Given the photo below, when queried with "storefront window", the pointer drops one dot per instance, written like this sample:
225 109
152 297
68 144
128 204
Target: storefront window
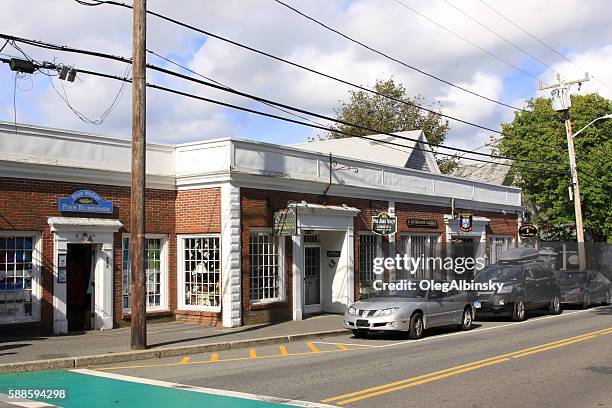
156 273
16 277
265 271
422 246
499 245
201 272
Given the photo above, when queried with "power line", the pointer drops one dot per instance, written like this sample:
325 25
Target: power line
226 86
489 29
497 57
372 91
267 101
327 27
539 40
225 104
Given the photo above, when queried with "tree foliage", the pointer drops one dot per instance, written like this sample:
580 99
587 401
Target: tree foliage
539 134
388 116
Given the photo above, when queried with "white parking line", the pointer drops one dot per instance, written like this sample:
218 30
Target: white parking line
459 333
214 391
19 402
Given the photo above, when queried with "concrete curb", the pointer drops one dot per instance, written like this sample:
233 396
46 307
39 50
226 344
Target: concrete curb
85 361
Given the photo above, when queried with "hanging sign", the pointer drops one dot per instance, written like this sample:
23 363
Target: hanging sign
284 222
528 230
85 201
384 224
465 222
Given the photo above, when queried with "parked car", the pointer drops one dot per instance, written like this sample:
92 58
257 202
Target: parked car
410 312
584 288
528 283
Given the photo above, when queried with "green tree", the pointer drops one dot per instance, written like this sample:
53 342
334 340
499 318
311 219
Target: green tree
539 134
388 116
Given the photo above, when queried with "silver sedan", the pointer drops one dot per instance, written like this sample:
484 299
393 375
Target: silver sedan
410 312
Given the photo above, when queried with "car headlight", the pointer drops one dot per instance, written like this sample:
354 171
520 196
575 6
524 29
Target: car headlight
386 312
505 289
352 311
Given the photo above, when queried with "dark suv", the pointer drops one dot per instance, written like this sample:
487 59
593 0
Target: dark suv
528 283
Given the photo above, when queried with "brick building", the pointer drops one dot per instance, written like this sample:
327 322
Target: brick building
212 257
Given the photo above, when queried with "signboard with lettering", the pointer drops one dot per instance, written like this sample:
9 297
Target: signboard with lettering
528 230
284 222
333 254
384 224
411 222
85 201
465 222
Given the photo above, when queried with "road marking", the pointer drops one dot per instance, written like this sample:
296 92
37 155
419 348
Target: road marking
312 347
413 384
354 346
401 384
252 353
552 347
214 357
283 350
607 331
214 391
185 360
341 346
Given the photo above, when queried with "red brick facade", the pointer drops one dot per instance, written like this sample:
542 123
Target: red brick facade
25 205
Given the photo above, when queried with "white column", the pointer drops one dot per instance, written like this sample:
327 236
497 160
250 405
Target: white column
298 276
103 285
392 249
350 252
230 256
60 321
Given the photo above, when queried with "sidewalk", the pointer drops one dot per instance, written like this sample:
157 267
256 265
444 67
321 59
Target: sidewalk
28 353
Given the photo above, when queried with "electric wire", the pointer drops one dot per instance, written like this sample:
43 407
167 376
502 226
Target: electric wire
259 99
539 40
270 115
461 37
489 29
396 60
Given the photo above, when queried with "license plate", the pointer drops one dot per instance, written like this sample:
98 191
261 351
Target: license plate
477 305
362 323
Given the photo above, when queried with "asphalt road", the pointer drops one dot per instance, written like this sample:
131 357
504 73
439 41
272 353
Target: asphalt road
547 361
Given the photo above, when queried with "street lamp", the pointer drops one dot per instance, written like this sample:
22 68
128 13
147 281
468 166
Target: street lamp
591 122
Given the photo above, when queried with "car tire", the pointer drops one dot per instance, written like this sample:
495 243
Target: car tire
416 326
360 333
586 301
555 305
519 311
467 319
606 299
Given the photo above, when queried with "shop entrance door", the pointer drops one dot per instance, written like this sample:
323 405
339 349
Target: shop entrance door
312 279
464 248
79 289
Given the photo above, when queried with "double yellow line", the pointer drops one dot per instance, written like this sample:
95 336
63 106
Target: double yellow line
448 372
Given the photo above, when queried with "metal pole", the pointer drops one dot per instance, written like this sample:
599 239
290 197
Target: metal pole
138 339
577 204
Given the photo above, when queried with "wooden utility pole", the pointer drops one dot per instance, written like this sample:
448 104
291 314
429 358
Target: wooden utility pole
562 103
137 222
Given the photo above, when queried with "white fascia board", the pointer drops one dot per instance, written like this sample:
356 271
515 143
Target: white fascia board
24 170
302 186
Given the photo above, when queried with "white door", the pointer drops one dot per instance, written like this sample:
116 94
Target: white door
312 279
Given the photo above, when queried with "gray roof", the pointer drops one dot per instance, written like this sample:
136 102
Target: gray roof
493 173
381 152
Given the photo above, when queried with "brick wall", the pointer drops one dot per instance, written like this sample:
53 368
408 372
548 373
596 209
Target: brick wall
197 212
25 205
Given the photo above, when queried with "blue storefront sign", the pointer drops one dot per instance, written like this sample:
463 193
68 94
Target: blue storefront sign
85 201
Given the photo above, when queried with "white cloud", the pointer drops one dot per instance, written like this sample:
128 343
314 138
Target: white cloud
580 29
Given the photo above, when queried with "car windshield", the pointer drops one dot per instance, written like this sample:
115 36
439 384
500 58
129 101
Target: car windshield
502 273
412 294
573 276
